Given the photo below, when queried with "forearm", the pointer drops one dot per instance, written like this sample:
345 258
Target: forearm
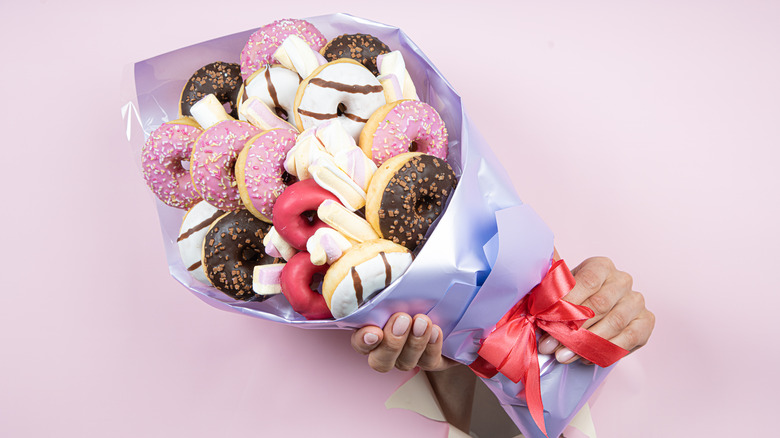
454 390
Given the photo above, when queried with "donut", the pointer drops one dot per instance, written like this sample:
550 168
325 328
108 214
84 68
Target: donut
275 86
361 47
294 215
342 89
406 194
361 272
233 246
296 280
260 170
161 159
192 233
404 126
213 159
222 79
259 49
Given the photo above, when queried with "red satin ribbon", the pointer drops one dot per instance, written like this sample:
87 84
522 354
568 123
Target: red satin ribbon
511 348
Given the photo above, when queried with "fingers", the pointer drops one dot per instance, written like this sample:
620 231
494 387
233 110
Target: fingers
404 343
620 313
637 333
383 357
628 325
590 276
416 343
366 339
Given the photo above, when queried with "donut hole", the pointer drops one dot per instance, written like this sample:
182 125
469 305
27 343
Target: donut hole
281 113
414 147
228 107
309 215
424 205
250 254
341 109
316 282
288 179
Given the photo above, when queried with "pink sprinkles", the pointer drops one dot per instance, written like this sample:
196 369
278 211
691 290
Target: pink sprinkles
260 47
213 159
264 168
410 125
161 160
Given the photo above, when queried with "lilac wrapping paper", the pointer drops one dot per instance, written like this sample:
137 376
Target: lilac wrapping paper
486 252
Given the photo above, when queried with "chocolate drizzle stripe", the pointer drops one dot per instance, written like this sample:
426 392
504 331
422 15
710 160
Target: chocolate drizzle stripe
358 283
200 226
388 269
271 88
362 89
318 116
355 118
195 266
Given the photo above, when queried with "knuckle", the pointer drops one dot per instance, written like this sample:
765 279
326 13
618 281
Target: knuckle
617 322
404 365
589 279
378 365
651 319
625 280
603 262
600 303
426 363
639 299
632 337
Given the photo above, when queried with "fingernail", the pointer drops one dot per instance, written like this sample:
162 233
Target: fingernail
564 354
370 338
434 336
401 325
419 327
548 346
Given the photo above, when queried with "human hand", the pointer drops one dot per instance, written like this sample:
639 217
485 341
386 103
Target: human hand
621 315
404 343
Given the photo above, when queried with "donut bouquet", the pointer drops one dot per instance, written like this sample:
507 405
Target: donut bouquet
322 173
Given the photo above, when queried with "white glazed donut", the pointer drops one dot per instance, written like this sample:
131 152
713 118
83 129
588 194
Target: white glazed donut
193 230
342 89
361 272
276 86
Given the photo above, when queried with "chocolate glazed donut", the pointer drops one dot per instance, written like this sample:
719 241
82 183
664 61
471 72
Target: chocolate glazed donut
232 248
222 79
360 47
411 192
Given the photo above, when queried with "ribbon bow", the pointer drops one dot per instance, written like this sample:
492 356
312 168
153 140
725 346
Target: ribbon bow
511 348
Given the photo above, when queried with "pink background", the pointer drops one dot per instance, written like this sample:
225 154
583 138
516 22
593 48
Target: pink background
648 133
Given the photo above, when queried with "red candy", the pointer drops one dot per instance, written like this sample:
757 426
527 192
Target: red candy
296 282
289 219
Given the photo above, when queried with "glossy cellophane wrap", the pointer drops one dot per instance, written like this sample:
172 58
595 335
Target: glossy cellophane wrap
485 253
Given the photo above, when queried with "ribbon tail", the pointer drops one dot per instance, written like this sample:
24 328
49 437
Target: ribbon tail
587 344
533 395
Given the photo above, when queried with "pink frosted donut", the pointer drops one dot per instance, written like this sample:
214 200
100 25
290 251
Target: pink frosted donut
213 160
295 212
260 47
162 156
260 170
404 126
